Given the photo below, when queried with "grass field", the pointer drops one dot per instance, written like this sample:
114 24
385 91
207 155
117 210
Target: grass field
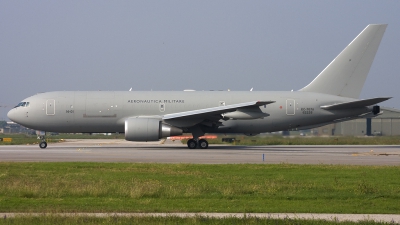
124 187
168 220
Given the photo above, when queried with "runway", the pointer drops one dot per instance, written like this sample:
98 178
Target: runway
110 150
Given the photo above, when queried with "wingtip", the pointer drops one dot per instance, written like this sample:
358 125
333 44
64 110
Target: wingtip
386 98
377 24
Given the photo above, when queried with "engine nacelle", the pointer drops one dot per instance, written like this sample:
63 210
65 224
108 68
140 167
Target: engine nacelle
148 129
376 109
246 114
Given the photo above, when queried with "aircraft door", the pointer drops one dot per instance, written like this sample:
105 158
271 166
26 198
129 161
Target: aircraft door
290 107
50 107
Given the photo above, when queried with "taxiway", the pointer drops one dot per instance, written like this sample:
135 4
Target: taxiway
110 150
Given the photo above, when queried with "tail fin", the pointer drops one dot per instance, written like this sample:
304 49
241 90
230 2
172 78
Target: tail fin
346 74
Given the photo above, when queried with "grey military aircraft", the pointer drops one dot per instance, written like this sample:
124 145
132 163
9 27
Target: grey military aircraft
149 116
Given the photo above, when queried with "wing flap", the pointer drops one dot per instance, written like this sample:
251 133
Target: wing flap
355 104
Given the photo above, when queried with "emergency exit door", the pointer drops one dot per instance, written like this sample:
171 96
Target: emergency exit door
290 107
50 107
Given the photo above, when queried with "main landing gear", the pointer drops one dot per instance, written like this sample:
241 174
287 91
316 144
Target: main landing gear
202 143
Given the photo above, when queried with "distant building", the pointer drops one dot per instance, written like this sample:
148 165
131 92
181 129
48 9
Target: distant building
12 128
387 124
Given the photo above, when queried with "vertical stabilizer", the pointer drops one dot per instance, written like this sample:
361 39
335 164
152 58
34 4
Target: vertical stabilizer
346 74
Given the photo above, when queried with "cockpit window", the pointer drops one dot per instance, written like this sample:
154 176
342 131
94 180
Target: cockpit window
22 104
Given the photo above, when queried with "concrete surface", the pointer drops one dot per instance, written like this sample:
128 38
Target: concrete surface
117 150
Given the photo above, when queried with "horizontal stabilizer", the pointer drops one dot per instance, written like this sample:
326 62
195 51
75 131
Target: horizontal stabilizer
355 104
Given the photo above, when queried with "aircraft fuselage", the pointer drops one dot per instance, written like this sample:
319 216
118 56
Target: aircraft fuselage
105 111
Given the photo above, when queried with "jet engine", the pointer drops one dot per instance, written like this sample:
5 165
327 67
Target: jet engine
148 129
376 109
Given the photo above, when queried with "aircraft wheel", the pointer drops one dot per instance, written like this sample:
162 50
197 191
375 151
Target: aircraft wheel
203 143
43 144
192 144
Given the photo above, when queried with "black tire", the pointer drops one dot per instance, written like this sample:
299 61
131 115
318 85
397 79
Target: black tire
192 144
43 144
203 144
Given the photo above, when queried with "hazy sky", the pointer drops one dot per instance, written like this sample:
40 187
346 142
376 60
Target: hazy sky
177 45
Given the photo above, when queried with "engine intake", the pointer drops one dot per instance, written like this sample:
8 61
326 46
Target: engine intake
148 129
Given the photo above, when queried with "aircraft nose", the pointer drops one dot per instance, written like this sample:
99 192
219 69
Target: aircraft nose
12 115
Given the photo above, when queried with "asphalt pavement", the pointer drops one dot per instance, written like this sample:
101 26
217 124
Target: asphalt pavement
117 150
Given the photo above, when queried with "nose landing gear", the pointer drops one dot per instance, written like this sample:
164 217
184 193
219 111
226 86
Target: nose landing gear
43 143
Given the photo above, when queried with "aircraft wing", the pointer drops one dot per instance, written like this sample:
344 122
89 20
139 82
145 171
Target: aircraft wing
215 110
355 104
